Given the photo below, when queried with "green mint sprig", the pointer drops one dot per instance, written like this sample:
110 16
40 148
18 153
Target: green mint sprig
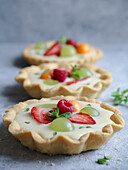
74 74
63 39
120 96
55 114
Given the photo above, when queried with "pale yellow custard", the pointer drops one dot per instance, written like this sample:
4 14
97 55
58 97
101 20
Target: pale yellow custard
90 82
44 130
39 54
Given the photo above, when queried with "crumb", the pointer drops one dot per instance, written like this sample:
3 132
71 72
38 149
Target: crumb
52 164
39 162
119 159
116 149
126 156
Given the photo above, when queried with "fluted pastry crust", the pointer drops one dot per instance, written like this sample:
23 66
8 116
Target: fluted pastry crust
40 90
37 61
62 144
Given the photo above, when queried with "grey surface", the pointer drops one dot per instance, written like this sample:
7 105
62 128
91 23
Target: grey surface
86 20
15 156
103 23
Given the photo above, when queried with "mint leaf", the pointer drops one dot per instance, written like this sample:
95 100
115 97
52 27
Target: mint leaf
50 117
63 39
55 133
81 127
120 96
27 110
27 122
89 105
108 157
66 115
101 161
88 127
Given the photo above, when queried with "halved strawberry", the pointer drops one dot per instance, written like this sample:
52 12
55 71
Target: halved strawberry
76 81
82 118
54 50
39 114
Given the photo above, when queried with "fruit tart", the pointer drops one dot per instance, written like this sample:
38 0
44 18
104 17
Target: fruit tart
48 80
62 51
63 125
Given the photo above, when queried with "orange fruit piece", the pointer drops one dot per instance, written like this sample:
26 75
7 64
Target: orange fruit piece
77 105
45 75
83 48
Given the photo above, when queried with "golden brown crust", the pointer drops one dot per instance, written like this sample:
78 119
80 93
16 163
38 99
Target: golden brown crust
40 90
37 61
62 144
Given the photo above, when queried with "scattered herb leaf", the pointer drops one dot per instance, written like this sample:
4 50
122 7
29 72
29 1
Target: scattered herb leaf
101 161
27 122
89 105
108 157
81 127
87 84
27 110
55 133
120 96
88 127
104 160
37 73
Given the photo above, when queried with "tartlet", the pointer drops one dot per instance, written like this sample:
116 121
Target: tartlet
42 138
36 56
37 89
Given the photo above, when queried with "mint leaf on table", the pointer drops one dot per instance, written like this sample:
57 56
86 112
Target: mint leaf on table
120 97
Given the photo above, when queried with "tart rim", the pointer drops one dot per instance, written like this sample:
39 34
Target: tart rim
66 145
36 61
40 90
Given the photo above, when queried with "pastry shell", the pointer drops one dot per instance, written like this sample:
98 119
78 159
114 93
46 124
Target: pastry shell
37 61
62 144
39 90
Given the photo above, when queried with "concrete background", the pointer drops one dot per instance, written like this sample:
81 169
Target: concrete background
94 21
103 23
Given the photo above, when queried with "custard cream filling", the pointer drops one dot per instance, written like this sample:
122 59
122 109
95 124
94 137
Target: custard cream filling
46 132
90 82
39 54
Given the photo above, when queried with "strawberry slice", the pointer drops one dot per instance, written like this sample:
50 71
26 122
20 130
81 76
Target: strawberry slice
39 114
76 81
82 118
54 50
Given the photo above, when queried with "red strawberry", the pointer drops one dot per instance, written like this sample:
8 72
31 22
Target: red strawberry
60 75
65 106
39 114
54 50
72 42
76 81
82 118
65 69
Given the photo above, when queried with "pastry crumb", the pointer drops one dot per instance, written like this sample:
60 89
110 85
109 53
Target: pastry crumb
119 159
52 164
116 149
